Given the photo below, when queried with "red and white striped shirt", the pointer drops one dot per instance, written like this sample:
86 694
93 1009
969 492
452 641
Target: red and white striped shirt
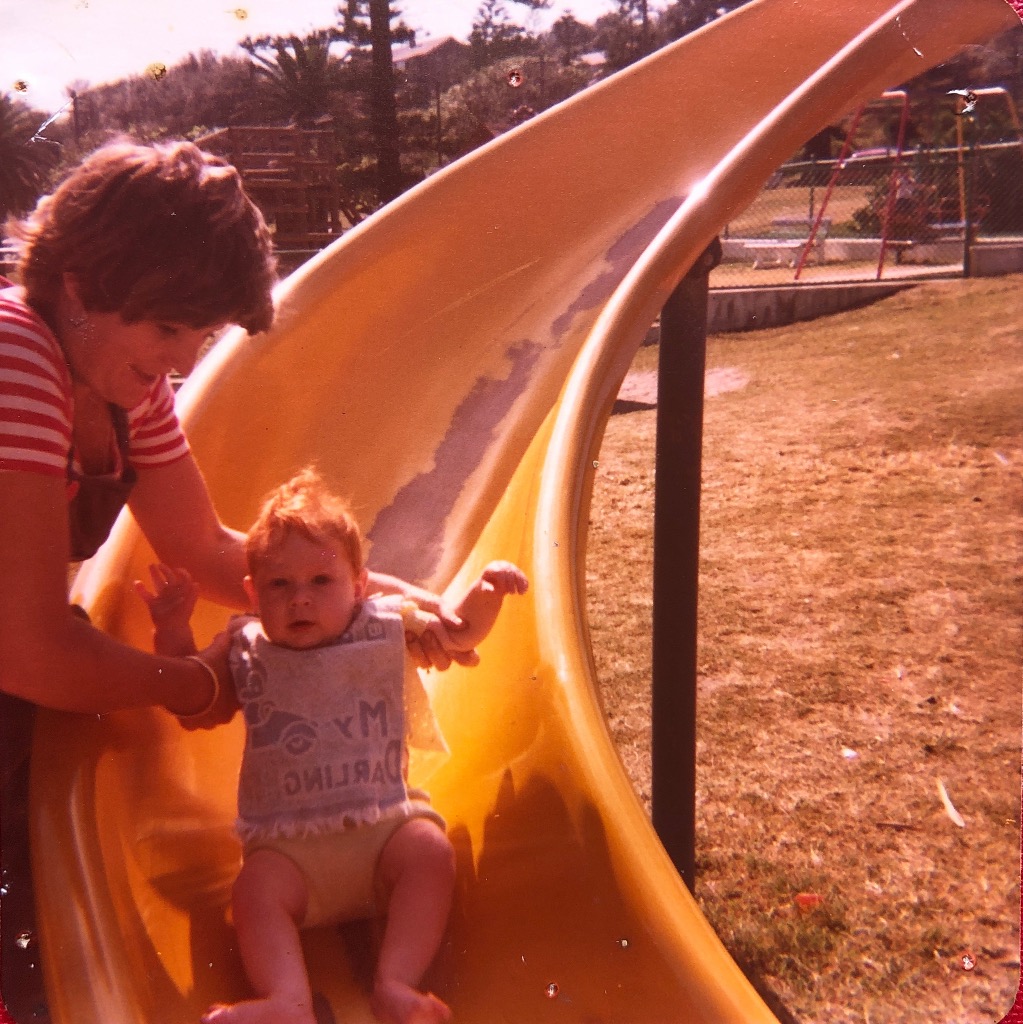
37 409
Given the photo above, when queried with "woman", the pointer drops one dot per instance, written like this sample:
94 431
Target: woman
126 270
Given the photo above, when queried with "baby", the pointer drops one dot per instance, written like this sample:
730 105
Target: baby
330 830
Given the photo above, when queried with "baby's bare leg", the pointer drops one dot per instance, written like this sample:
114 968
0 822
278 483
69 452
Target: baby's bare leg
417 873
268 903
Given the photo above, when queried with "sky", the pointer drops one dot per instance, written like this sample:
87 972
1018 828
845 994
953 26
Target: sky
47 45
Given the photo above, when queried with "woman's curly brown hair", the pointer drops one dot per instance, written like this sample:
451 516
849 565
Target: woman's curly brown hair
159 233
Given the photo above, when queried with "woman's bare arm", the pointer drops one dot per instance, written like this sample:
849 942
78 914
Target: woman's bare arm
50 656
173 507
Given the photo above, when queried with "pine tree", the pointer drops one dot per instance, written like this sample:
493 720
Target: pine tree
368 23
496 35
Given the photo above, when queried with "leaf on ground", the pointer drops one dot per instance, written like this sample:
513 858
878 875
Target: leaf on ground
950 810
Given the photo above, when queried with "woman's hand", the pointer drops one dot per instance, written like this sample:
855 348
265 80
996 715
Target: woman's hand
433 646
438 647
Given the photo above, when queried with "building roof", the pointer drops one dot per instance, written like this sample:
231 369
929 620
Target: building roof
404 54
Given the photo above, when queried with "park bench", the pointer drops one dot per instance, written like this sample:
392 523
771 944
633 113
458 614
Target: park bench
775 252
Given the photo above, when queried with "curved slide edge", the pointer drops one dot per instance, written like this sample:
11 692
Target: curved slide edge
421 362
874 61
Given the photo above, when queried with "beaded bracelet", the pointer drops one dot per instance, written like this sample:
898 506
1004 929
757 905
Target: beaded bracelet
216 687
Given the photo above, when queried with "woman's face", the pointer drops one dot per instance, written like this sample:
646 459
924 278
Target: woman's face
120 362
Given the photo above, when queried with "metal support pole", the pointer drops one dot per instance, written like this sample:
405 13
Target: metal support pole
680 383
969 228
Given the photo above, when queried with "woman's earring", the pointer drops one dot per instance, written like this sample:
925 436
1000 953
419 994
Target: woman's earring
82 323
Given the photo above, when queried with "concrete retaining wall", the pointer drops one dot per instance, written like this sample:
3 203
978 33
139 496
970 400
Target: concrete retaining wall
777 252
746 309
992 259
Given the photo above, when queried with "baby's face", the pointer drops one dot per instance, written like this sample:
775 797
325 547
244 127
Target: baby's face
306 592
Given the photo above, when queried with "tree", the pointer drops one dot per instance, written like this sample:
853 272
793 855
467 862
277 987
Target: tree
684 16
625 35
486 104
202 91
369 22
495 35
26 157
997 62
571 37
302 74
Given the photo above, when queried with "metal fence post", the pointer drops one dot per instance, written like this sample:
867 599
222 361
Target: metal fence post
969 190
680 384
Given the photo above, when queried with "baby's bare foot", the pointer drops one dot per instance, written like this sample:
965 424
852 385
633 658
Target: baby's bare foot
395 1003
259 1011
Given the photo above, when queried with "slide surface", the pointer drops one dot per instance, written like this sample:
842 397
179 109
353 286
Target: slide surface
450 365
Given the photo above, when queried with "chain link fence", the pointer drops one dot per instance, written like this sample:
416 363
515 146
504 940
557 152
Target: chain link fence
876 215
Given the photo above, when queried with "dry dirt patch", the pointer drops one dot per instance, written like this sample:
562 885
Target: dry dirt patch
640 386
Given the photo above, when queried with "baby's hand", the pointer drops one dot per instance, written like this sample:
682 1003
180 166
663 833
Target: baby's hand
504 578
173 598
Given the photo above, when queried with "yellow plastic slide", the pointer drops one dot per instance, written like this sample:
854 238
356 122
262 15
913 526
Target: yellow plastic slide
450 365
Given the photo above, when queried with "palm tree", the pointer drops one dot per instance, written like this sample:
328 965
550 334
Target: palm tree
302 74
26 158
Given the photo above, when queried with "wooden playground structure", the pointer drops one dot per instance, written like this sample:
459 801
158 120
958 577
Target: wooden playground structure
291 175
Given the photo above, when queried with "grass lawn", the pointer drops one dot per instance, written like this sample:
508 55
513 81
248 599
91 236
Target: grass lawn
757 221
861 639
